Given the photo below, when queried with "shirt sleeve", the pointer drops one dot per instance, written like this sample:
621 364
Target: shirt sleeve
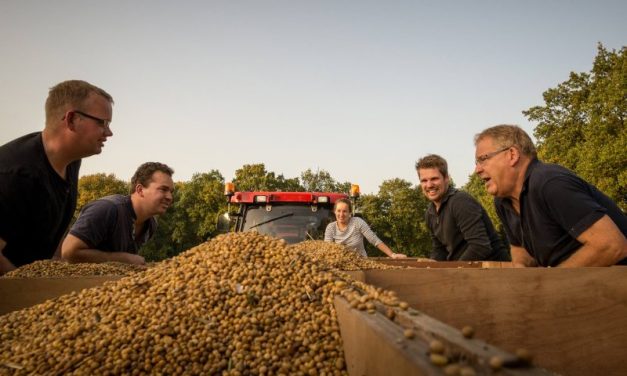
468 215
570 204
367 232
328 232
95 223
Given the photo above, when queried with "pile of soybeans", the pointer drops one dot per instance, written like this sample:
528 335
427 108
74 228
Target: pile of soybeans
240 304
51 268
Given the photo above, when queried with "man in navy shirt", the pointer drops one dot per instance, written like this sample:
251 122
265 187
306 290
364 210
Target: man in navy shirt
39 172
113 228
551 216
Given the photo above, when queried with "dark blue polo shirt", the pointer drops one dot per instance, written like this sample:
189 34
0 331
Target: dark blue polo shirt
556 206
108 224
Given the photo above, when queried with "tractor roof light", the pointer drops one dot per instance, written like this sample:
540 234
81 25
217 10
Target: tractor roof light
229 189
323 199
261 198
354 190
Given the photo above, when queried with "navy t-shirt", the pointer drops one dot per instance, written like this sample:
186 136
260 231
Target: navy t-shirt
108 224
36 204
556 206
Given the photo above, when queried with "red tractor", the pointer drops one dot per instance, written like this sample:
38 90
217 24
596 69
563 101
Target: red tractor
293 216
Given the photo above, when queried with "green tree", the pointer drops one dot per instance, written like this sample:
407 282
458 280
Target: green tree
201 201
582 124
476 188
192 218
95 186
396 214
321 181
255 178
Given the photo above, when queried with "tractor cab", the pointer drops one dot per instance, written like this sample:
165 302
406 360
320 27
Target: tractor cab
293 216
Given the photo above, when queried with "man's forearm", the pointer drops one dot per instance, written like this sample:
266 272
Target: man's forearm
589 256
57 253
476 252
603 244
96 256
522 258
5 265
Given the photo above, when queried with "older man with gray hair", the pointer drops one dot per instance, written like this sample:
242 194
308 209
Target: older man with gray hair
551 216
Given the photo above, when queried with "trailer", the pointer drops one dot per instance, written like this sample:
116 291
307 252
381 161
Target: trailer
572 321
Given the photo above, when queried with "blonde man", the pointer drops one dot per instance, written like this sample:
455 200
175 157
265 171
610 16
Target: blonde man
39 172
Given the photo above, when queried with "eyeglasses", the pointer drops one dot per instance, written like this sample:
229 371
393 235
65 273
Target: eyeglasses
480 160
102 122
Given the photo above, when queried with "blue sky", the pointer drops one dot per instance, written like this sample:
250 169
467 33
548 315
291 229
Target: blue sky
361 89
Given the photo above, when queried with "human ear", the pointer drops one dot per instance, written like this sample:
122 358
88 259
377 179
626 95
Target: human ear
513 155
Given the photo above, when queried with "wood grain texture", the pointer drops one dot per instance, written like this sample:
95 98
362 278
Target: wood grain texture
574 321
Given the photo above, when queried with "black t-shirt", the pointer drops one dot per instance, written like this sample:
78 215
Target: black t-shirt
556 206
461 230
36 204
108 224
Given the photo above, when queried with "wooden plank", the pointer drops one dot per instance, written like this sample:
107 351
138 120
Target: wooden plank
413 262
357 275
574 321
376 345
19 293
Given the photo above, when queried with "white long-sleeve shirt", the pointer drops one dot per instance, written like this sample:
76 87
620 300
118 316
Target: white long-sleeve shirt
353 237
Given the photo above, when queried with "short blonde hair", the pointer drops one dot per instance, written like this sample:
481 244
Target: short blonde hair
505 135
72 93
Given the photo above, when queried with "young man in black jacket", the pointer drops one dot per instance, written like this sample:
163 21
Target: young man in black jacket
460 228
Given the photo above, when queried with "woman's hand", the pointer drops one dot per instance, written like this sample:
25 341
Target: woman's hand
398 255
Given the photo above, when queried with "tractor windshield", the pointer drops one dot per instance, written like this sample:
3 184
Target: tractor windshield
294 223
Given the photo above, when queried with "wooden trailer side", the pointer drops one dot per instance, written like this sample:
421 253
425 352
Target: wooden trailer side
574 321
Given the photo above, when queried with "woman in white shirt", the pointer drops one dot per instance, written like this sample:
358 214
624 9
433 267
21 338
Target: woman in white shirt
351 231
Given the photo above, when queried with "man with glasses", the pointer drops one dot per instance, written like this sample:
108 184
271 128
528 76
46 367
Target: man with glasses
39 172
551 216
459 226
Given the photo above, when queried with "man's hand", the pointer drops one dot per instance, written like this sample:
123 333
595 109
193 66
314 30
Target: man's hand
521 258
5 265
135 259
398 256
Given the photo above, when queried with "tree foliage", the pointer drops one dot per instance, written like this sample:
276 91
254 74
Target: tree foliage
582 124
192 218
95 186
201 201
396 214
321 181
255 178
